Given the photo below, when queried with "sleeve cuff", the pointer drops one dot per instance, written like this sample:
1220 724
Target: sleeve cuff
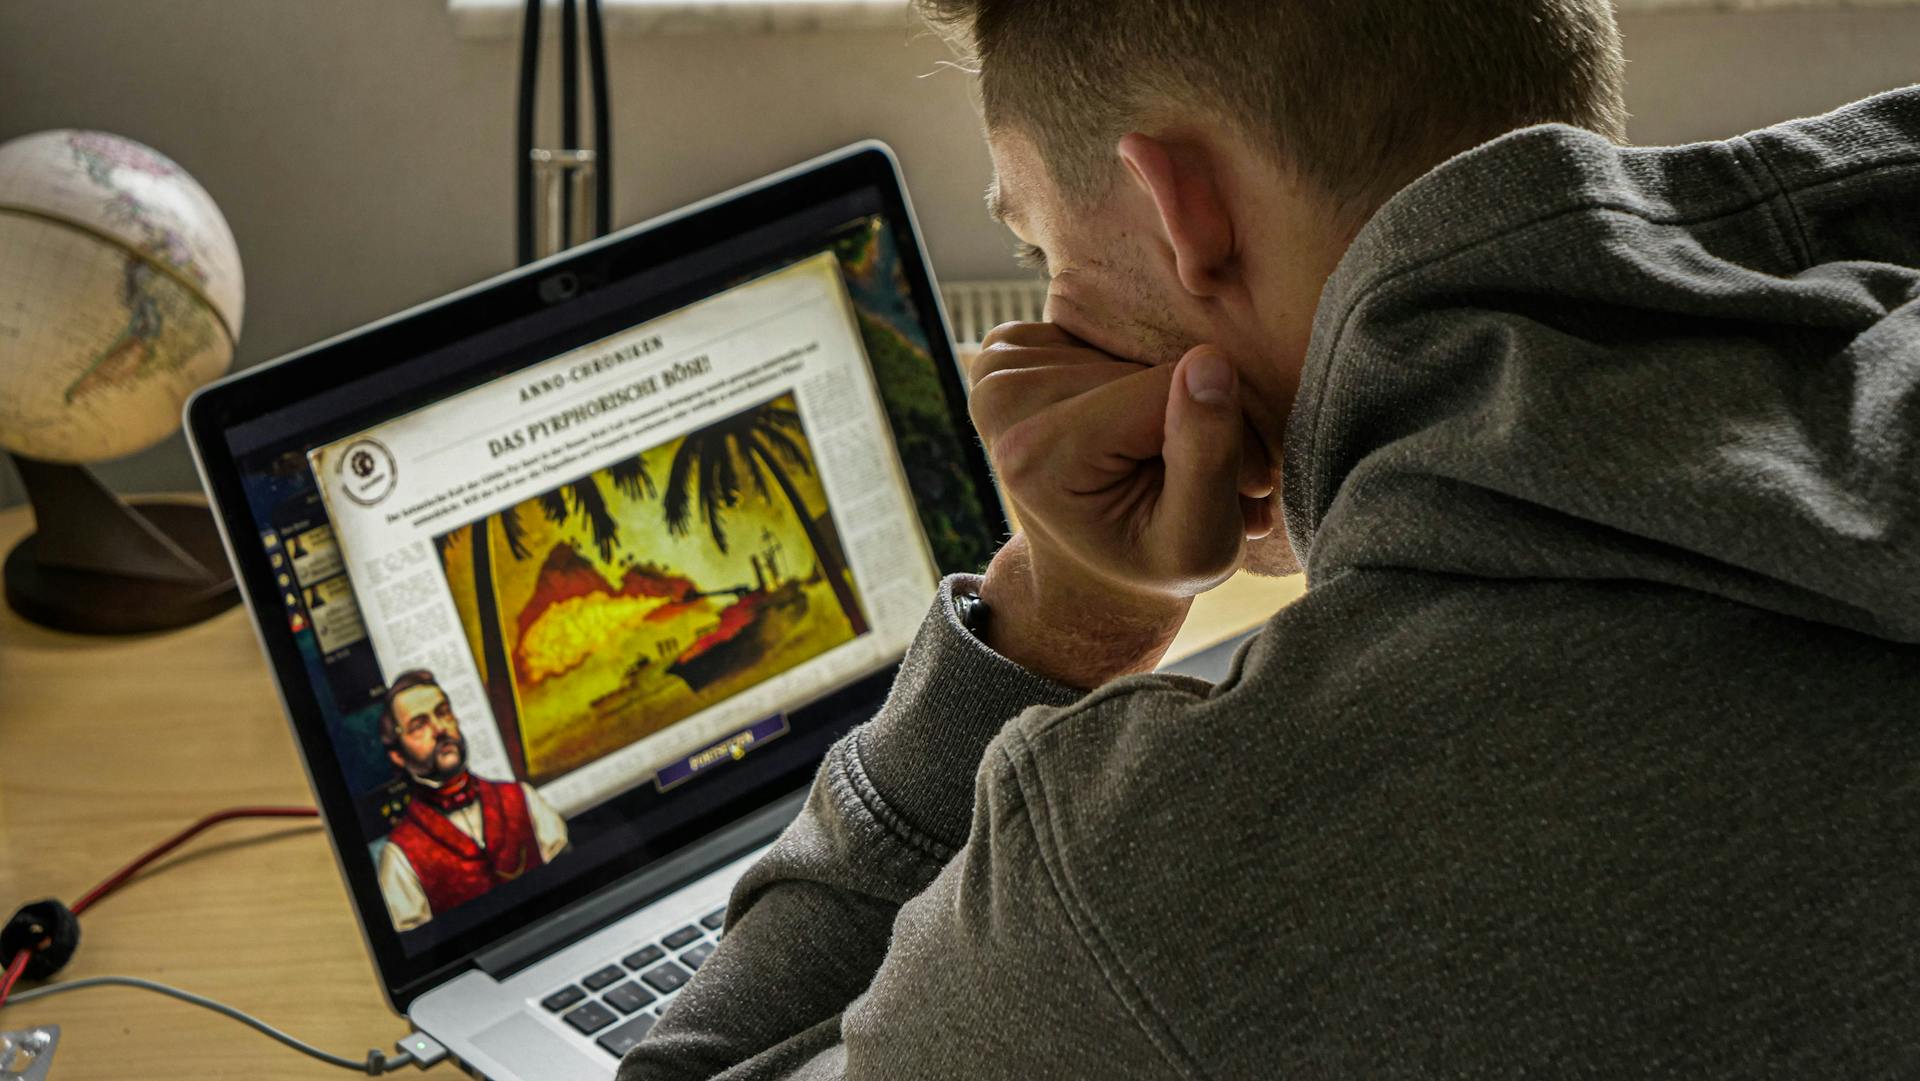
952 696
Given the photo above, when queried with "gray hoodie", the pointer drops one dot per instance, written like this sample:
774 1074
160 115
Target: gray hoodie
1592 750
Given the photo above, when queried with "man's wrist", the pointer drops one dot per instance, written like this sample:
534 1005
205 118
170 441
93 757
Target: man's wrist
1070 626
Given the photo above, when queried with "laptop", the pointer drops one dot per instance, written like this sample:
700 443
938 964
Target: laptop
569 579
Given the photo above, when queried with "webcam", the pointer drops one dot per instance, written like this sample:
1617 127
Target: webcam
559 287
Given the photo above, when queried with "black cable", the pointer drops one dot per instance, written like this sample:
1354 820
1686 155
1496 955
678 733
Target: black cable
602 125
523 164
376 1062
569 108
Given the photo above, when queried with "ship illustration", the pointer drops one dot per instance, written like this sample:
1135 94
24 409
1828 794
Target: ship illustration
746 630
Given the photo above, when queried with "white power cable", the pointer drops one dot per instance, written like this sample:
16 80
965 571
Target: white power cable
376 1062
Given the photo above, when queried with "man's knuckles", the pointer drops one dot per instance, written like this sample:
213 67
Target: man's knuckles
1027 334
1021 455
1005 356
1031 345
1004 395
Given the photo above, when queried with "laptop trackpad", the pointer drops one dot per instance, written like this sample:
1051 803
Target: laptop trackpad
532 1052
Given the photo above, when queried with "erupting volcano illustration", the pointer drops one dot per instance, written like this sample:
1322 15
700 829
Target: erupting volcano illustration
614 606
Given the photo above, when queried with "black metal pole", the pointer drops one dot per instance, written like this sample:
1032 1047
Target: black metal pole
569 108
523 161
602 125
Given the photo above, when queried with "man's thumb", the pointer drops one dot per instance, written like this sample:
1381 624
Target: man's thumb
1201 526
1208 377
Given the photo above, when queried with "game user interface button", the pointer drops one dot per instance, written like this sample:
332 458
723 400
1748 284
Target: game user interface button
729 748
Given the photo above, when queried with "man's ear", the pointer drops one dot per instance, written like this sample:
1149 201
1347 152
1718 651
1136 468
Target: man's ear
1184 183
394 757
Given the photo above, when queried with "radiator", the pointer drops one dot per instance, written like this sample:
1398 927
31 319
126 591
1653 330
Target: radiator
977 307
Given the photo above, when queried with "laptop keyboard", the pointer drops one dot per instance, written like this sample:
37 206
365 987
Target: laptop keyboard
617 1003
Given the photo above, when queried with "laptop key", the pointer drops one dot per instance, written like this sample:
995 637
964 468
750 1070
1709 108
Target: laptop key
697 956
606 977
591 1018
681 937
712 920
629 997
643 957
666 978
563 998
628 1036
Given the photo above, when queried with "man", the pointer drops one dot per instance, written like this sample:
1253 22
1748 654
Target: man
460 835
1591 749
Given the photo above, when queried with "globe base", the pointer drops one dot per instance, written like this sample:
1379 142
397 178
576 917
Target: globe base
91 602
99 565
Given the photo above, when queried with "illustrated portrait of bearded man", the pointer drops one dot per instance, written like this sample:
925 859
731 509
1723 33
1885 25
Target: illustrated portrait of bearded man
460 835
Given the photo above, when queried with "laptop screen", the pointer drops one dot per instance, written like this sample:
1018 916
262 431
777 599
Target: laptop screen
586 580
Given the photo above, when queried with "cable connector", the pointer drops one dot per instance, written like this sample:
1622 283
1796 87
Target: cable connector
425 1051
378 1063
46 931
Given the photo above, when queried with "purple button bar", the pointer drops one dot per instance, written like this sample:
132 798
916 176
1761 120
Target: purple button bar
729 749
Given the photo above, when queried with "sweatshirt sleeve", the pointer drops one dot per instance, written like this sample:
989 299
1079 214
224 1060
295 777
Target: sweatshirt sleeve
893 901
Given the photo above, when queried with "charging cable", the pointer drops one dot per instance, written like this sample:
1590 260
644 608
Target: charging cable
42 937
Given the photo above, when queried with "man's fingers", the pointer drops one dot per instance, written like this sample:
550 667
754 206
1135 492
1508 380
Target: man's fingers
1256 516
1025 345
1147 471
1084 444
1036 351
1005 396
1028 334
1256 472
1200 526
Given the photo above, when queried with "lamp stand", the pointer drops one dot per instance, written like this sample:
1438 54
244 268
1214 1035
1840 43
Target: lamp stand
552 188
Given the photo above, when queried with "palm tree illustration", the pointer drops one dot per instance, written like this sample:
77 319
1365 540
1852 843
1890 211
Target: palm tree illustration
582 497
493 646
760 438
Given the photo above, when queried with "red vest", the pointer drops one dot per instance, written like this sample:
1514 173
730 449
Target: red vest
453 868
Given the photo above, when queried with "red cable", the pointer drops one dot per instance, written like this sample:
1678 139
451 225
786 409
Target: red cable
120 877
14 970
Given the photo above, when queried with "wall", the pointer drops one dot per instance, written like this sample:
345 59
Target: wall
362 152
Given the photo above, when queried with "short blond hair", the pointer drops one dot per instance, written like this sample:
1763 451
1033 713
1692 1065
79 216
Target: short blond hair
1356 96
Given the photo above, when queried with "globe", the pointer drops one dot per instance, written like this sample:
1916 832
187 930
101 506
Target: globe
120 293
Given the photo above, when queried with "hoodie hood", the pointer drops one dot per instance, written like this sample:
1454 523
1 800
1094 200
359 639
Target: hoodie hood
1552 357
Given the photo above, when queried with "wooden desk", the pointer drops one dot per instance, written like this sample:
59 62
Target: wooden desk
107 746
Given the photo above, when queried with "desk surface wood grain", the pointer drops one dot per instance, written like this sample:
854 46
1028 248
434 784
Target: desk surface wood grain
109 745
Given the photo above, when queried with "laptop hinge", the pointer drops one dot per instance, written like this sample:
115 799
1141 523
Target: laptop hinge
656 880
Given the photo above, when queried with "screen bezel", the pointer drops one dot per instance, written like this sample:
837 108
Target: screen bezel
562 280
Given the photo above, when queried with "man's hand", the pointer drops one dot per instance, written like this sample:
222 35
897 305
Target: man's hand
1133 490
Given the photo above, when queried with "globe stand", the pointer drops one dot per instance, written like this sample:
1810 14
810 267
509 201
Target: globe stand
97 565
